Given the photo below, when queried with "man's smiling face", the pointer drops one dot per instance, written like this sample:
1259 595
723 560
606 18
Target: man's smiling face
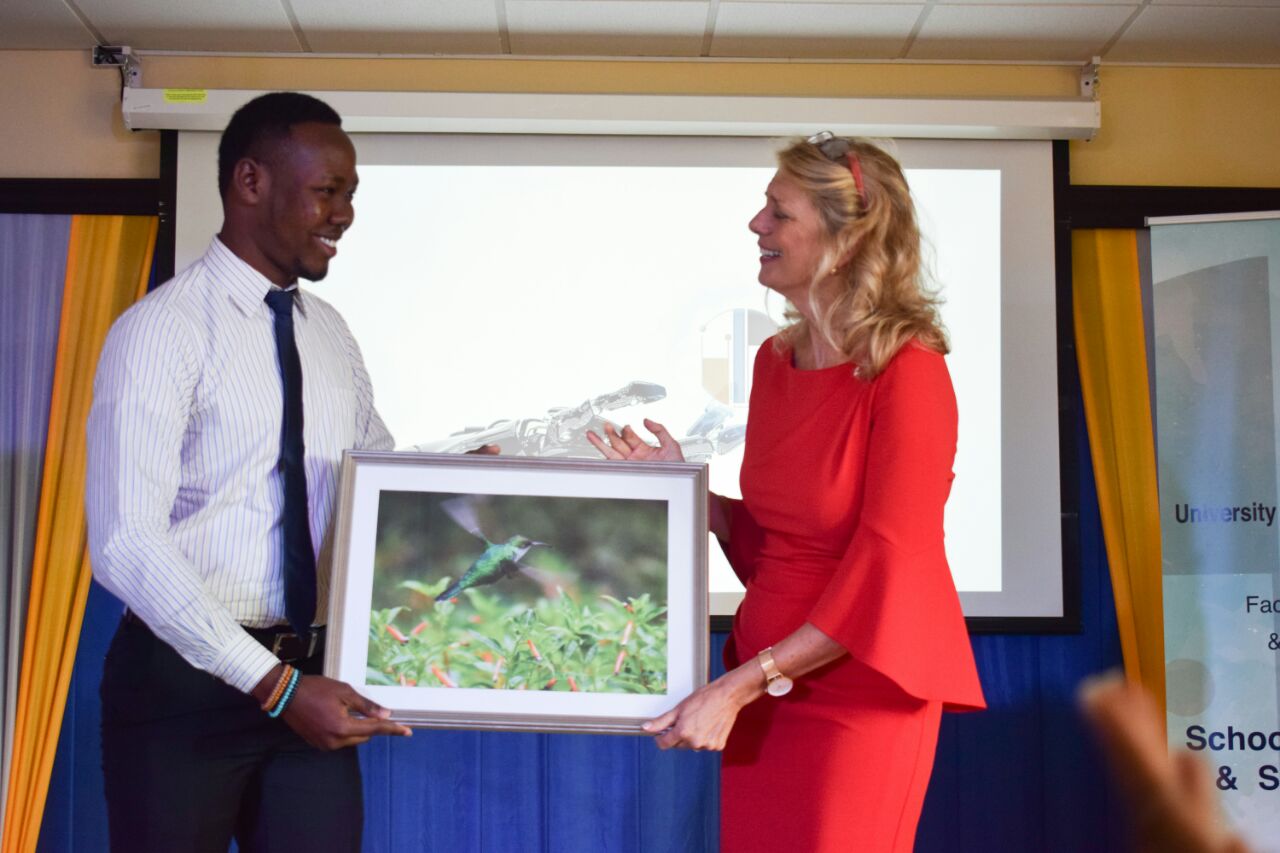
307 203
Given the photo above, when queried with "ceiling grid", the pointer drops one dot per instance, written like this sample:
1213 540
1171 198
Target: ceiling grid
915 31
83 19
1201 32
1111 42
297 28
504 34
713 9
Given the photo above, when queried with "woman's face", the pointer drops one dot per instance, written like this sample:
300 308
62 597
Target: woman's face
792 240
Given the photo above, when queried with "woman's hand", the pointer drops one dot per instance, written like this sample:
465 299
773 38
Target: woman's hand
705 718
630 446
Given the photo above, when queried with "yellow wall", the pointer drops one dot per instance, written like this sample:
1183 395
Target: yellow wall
1161 126
60 118
1196 127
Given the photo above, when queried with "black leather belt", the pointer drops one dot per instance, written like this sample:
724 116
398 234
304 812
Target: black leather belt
281 640
288 645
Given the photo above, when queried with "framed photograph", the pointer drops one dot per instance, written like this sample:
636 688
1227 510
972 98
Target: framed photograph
490 592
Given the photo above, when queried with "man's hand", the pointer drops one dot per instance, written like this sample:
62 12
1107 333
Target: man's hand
329 714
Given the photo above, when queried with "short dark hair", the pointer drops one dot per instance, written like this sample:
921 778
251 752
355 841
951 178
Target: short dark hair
264 121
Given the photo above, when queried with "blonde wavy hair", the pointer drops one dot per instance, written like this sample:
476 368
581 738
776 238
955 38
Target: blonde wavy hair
882 302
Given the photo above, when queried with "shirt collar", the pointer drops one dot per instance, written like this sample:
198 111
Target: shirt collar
247 287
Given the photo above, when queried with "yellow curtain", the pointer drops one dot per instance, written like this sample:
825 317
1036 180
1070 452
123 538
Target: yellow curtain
1111 350
108 263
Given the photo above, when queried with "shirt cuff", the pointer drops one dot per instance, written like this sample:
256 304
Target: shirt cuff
243 663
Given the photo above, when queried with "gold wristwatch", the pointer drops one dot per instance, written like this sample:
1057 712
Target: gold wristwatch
775 683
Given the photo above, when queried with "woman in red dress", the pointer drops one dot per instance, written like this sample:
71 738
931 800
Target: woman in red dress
850 642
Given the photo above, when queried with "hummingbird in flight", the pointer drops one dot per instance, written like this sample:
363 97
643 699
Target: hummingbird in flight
499 559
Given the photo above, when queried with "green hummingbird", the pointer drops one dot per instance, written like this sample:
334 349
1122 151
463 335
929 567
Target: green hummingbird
499 559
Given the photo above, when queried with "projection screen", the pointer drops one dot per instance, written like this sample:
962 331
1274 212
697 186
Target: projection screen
514 285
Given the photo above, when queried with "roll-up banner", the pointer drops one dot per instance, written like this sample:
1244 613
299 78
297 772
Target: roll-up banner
1216 307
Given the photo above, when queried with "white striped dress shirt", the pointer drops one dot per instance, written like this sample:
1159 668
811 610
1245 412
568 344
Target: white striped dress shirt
184 495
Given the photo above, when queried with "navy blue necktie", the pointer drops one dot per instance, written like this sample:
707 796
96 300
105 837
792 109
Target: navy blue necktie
299 558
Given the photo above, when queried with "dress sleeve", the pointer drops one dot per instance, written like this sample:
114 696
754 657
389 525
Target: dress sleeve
744 539
892 602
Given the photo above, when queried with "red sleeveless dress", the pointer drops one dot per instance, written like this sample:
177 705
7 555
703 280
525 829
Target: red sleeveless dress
840 525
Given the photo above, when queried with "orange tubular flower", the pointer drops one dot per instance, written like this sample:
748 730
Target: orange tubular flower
441 677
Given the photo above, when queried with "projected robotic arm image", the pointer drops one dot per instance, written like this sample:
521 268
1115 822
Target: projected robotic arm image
561 432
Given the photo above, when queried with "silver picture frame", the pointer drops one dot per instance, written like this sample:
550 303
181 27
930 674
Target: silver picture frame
516 593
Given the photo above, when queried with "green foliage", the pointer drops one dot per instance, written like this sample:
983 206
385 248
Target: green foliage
589 615
606 646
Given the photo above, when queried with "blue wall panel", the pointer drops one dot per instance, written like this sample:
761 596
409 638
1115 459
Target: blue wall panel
1025 775
512 815
75 815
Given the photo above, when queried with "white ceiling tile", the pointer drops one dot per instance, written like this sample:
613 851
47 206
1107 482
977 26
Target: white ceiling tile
41 25
1171 33
606 27
1017 33
223 25
813 30
834 2
1129 3
1272 4
400 26
1227 31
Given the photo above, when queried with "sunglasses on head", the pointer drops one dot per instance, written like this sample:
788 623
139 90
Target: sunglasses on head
838 150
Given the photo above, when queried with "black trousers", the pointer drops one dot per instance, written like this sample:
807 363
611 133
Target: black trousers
190 762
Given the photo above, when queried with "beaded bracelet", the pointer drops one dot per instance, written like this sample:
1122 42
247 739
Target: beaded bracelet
288 694
278 690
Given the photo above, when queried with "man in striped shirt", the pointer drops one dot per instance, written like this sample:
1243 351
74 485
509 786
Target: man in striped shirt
185 502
